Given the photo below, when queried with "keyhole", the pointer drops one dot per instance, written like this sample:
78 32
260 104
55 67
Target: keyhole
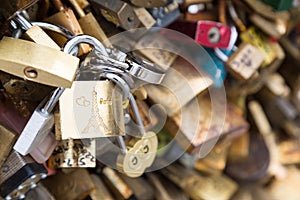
134 160
146 149
214 35
30 72
130 19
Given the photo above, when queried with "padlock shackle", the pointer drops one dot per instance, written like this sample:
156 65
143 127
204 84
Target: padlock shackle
55 28
127 94
87 39
22 21
50 104
119 81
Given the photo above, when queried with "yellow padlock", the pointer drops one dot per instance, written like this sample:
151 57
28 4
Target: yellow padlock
38 63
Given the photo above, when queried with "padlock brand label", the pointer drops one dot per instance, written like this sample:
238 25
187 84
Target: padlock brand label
91 109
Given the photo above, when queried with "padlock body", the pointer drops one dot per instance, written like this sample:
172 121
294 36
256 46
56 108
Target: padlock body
91 109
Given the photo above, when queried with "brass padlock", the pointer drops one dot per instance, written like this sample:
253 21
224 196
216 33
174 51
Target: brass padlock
199 187
37 62
245 61
119 188
34 33
7 139
89 24
73 153
117 12
261 42
139 156
91 109
173 95
101 191
144 16
75 185
67 19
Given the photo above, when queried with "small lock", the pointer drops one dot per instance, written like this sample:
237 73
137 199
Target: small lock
89 24
33 32
37 62
74 185
67 19
39 125
117 12
18 175
148 3
91 109
245 61
139 156
74 153
256 38
7 139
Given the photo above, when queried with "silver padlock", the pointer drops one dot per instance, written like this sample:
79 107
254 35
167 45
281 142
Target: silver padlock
39 125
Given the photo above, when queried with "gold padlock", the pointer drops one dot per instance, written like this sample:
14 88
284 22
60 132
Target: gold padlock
245 61
139 156
37 35
7 139
37 62
67 19
91 109
89 24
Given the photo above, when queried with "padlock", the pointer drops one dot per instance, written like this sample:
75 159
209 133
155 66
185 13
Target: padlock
139 156
208 33
8 138
191 84
144 16
119 188
265 129
73 153
31 61
261 42
152 46
165 189
98 106
191 139
239 149
13 119
101 191
198 186
74 185
67 19
18 175
89 24
166 14
215 161
39 125
244 62
117 12
243 168
34 33
140 187
148 4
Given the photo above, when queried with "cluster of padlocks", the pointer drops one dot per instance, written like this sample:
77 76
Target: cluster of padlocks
149 99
